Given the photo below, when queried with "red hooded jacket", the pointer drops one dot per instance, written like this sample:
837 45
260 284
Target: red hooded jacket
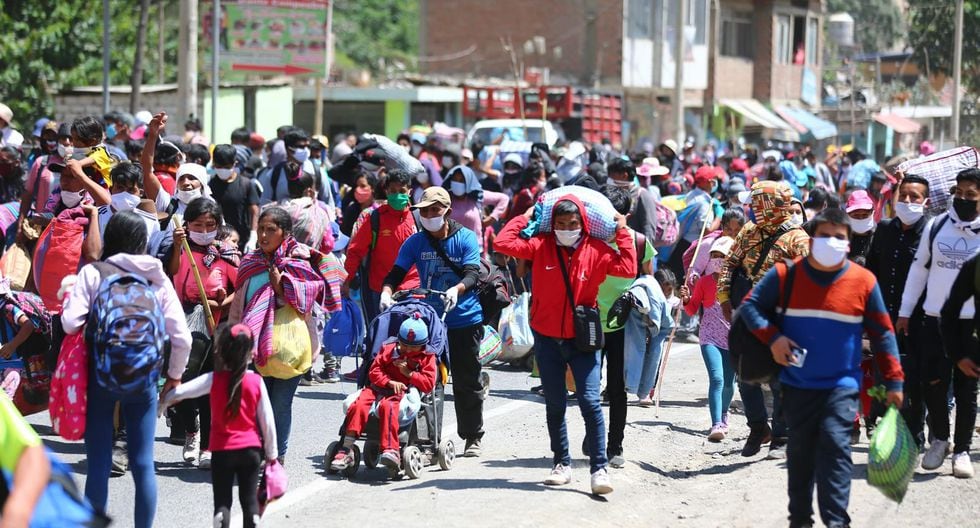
587 267
394 229
422 365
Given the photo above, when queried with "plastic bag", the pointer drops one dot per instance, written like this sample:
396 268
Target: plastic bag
16 266
292 348
941 169
892 456
272 484
490 346
515 328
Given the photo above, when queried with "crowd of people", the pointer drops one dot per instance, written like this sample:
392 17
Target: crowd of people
237 254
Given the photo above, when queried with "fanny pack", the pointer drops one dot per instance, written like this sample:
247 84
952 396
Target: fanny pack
587 324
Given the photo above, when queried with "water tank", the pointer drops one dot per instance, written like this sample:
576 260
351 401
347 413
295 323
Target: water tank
840 29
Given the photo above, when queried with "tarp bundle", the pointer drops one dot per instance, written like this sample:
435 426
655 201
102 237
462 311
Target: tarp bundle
941 169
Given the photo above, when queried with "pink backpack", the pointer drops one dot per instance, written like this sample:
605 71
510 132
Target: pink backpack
667 228
69 389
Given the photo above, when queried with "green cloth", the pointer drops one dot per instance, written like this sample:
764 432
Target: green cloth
613 287
15 435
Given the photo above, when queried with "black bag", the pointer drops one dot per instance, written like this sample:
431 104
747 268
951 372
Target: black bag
491 287
752 358
588 326
741 283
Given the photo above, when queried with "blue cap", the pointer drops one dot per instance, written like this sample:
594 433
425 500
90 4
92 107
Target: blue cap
39 126
413 331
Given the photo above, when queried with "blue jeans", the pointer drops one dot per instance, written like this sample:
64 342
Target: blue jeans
550 354
819 452
140 414
721 380
281 392
643 354
755 407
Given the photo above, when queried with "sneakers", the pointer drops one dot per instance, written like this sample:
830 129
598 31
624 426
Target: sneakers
717 433
391 459
618 460
962 466
937 452
310 379
600 482
192 444
559 476
120 459
330 375
205 461
351 376
644 402
473 448
777 450
757 436
342 460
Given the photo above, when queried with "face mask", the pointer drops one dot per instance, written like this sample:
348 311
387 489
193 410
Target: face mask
909 213
110 131
151 222
432 224
448 162
830 252
186 197
50 146
71 199
223 174
796 220
422 177
416 149
80 153
65 151
966 210
203 239
301 155
621 183
362 195
567 238
124 201
714 265
398 201
457 188
862 226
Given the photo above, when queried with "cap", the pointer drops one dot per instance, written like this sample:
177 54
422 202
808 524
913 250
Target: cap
671 144
6 113
723 245
738 165
255 141
418 137
514 158
466 154
413 331
144 117
50 125
859 200
574 150
926 148
736 185
704 174
745 197
652 167
39 126
434 195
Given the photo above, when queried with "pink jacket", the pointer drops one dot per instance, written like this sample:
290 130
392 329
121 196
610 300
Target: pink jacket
468 213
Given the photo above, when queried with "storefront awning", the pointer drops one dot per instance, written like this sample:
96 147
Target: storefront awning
806 123
899 124
757 115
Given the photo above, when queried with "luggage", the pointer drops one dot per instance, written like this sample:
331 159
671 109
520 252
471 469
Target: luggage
16 266
600 217
57 254
941 169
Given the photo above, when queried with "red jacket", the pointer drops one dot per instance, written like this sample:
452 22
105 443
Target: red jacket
588 267
423 368
395 227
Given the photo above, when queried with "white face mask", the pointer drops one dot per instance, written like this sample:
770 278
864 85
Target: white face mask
186 197
567 238
432 224
65 151
416 149
71 199
862 226
448 162
223 174
301 155
909 213
796 219
203 239
622 183
457 188
830 252
125 201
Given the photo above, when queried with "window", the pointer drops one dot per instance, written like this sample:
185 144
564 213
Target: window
796 39
736 35
638 23
784 39
812 32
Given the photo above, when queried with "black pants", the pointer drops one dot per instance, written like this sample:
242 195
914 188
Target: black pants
226 466
188 410
464 354
913 408
676 261
937 372
614 352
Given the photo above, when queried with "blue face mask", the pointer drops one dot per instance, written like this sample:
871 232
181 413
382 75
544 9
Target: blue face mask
110 131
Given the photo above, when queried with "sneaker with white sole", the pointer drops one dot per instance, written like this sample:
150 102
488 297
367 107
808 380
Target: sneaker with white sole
205 460
933 459
559 476
962 466
600 482
717 433
192 445
474 448
617 461
342 460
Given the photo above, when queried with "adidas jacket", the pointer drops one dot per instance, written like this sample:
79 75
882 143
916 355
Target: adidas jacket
935 268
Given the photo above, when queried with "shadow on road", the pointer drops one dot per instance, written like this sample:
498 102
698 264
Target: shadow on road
686 474
329 396
183 472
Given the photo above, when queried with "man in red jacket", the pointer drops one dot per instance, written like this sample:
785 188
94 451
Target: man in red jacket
379 248
587 261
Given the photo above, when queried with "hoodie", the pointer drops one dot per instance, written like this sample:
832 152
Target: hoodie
936 265
468 209
76 309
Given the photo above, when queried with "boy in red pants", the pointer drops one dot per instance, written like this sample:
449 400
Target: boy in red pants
399 365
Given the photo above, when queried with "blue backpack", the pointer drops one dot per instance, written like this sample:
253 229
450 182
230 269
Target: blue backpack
62 504
126 332
344 331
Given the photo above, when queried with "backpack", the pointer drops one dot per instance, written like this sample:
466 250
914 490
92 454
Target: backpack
68 399
344 331
751 357
491 288
57 255
937 225
667 227
126 332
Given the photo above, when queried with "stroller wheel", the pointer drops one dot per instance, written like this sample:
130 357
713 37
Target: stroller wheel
446 454
412 462
329 455
352 469
372 452
485 382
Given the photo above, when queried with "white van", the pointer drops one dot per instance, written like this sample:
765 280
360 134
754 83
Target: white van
538 131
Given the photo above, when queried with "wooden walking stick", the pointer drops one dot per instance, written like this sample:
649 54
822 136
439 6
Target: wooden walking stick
197 278
658 388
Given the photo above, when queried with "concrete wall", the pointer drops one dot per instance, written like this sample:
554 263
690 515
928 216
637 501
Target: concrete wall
733 78
70 106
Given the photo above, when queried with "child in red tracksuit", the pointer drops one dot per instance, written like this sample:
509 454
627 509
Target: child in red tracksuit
399 365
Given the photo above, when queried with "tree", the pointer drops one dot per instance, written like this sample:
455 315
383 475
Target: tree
878 24
931 38
373 34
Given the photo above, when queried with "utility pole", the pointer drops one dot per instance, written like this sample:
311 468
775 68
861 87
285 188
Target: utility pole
105 56
957 67
679 69
187 61
215 57
318 91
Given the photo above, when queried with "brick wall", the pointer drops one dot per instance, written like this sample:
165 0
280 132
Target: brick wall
452 26
733 78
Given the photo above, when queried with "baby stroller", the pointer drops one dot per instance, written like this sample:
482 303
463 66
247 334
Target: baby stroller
420 439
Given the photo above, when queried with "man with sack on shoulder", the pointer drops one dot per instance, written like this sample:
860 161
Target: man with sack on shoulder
831 303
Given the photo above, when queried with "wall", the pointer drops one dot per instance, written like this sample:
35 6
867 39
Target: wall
733 77
69 106
231 114
274 108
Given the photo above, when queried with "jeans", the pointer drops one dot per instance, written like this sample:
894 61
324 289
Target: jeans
464 359
721 381
550 354
225 466
755 407
938 372
616 390
281 392
140 414
819 452
643 353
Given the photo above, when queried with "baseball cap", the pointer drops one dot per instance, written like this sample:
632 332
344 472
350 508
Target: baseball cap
144 117
723 245
704 174
255 140
418 137
514 158
434 195
738 165
736 185
39 126
413 331
859 200
466 154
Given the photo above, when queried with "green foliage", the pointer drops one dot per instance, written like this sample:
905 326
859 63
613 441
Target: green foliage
375 33
931 38
877 23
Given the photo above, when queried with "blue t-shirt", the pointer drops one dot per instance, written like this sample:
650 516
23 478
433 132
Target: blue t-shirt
434 274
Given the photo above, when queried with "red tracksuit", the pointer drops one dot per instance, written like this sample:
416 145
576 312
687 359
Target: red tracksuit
383 370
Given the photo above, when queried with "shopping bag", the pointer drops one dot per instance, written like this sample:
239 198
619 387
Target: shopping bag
515 327
272 484
892 456
490 346
292 347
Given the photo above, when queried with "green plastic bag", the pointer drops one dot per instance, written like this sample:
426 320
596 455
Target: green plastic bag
892 456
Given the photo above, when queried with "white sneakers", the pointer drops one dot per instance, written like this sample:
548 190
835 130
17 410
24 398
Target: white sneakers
192 446
600 482
937 452
962 466
559 476
205 460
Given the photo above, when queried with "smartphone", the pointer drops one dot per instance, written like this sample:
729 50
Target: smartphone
799 357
